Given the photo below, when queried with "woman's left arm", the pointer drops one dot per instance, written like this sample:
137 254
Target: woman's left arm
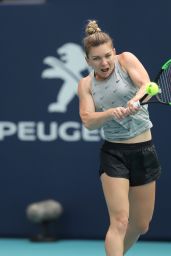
137 73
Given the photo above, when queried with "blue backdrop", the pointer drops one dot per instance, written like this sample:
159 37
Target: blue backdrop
44 150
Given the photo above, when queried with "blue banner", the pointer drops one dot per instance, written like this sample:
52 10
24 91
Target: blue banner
45 150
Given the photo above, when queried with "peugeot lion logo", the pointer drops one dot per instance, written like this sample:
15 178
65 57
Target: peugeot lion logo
68 67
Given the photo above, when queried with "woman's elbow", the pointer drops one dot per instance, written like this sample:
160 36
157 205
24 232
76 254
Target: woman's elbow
87 123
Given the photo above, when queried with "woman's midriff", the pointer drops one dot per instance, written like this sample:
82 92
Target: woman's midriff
145 136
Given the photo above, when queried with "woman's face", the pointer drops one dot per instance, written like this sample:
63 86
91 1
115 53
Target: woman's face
101 59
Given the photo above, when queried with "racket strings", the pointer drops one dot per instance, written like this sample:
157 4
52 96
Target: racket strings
164 83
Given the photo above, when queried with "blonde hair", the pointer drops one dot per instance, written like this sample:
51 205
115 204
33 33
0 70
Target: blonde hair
94 36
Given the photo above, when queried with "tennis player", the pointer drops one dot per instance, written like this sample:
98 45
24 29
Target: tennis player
129 165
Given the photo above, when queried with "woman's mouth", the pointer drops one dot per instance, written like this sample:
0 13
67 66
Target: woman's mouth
104 70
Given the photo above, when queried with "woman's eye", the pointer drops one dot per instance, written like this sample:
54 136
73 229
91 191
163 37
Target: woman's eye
96 58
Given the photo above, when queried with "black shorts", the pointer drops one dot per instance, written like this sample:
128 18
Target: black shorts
136 162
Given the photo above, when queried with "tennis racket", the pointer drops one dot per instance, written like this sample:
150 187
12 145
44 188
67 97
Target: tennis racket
163 80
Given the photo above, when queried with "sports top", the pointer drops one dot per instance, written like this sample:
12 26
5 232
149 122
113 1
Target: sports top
116 91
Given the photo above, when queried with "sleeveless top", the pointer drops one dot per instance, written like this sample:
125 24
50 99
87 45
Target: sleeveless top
113 92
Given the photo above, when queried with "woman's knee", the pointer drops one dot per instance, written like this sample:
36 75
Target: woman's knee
119 222
141 227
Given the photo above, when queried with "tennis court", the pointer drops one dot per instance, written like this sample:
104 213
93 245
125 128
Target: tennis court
23 247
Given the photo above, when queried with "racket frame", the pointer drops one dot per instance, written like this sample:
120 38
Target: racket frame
163 68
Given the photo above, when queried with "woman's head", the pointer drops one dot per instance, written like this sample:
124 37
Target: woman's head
94 37
99 50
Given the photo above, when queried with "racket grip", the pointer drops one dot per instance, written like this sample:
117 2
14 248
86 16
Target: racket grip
137 104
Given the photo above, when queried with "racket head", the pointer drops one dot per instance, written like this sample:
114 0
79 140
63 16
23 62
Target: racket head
164 82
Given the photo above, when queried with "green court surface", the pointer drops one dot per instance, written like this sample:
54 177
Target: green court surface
23 247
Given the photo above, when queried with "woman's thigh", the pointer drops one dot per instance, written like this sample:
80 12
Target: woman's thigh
116 195
141 203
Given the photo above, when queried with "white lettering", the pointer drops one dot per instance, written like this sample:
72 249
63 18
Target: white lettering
26 131
7 129
69 131
53 131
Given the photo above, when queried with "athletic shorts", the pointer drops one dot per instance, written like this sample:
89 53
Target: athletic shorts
136 162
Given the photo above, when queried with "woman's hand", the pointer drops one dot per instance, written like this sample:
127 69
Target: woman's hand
132 108
119 112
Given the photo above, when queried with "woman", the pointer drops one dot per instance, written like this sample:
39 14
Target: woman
129 165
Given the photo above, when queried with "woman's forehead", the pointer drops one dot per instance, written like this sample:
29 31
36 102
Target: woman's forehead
101 49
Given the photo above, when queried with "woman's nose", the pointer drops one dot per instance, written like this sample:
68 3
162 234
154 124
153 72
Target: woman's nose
103 61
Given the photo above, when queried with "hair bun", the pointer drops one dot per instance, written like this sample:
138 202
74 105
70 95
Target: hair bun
92 27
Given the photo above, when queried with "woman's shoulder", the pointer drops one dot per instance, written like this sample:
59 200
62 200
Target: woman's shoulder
86 80
124 56
85 83
126 59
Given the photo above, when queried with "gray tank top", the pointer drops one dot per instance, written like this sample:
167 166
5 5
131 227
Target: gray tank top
113 92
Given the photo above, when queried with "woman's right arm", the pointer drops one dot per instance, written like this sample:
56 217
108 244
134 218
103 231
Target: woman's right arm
93 120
